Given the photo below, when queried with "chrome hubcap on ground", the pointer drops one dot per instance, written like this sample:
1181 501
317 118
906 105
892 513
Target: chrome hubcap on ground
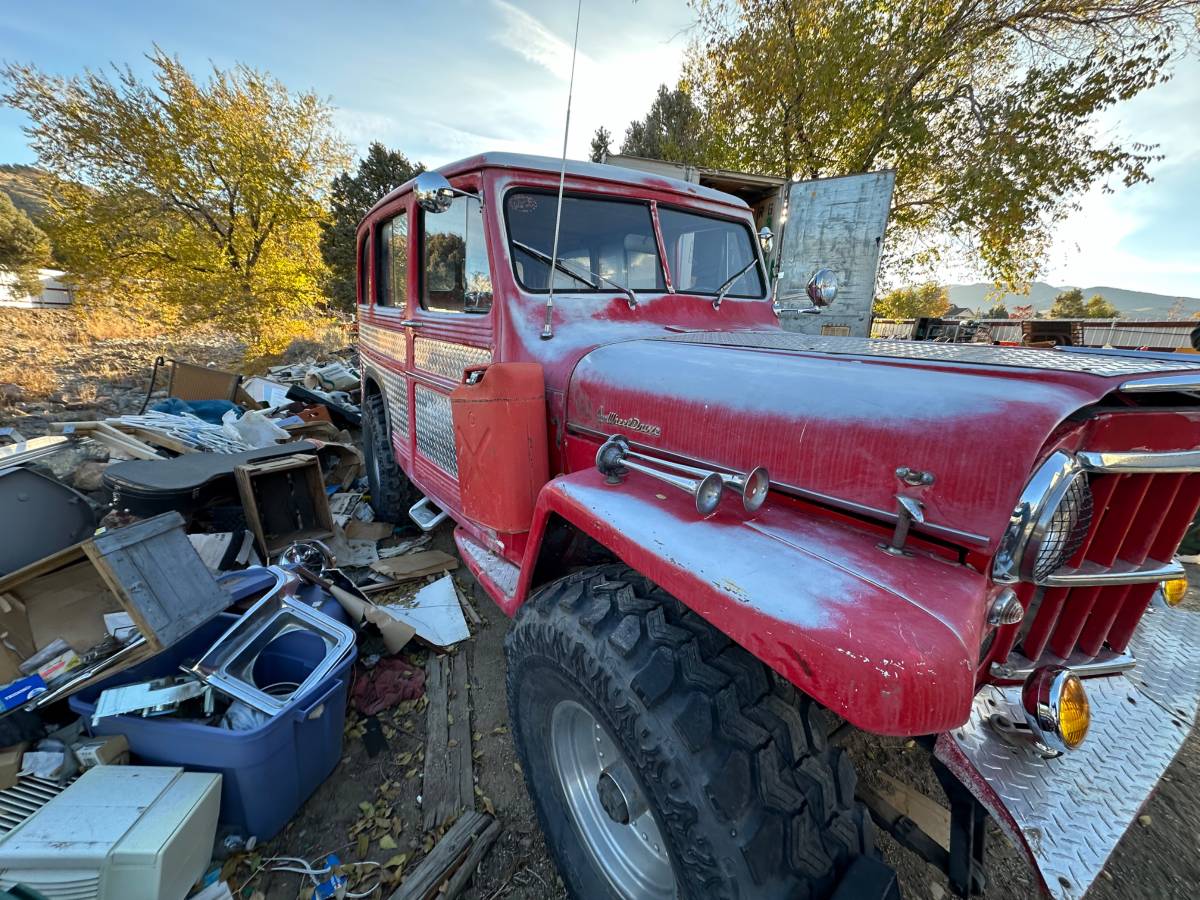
608 806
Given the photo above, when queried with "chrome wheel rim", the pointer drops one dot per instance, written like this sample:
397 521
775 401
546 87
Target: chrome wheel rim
600 789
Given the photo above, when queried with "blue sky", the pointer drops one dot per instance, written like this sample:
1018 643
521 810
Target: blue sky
441 80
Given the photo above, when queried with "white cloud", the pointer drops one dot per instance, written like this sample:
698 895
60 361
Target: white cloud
532 40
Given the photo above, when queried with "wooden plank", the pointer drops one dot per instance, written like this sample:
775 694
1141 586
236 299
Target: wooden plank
159 439
468 608
465 872
452 861
159 578
436 788
136 533
459 760
929 815
110 437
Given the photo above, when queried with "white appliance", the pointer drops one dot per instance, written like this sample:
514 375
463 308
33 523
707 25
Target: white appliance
118 833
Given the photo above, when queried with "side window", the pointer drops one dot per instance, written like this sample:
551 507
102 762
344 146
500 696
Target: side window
455 276
363 266
391 262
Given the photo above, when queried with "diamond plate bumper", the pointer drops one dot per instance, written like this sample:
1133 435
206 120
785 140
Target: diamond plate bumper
1067 814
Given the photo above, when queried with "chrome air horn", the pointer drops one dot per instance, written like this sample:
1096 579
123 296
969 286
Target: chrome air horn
706 486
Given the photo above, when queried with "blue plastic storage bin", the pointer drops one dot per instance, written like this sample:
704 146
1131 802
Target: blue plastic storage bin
267 772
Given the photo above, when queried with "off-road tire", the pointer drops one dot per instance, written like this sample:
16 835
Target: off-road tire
392 494
749 795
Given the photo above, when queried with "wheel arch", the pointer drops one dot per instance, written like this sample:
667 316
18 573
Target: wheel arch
888 644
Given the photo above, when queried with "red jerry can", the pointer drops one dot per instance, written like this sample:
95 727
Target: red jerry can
500 438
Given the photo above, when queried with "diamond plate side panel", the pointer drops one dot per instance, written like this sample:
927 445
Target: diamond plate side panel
1072 811
1165 647
447 358
395 391
980 354
384 341
435 428
502 573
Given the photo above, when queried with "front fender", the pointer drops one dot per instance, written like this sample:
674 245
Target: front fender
888 643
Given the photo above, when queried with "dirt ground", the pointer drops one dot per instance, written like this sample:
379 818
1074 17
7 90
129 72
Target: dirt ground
63 373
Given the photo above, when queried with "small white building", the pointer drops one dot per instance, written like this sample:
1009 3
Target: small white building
56 293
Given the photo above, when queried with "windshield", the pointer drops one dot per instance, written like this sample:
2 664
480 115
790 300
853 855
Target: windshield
704 253
614 238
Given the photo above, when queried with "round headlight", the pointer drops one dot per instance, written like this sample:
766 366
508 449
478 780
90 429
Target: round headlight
1056 707
1061 528
1049 523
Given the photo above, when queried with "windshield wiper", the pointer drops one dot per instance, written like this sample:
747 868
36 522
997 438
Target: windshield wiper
562 267
725 288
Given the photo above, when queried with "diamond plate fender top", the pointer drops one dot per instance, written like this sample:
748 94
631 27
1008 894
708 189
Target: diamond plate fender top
1067 814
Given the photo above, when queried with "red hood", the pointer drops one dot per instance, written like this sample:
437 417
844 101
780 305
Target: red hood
834 418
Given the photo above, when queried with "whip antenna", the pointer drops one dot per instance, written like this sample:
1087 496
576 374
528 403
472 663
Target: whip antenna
548 326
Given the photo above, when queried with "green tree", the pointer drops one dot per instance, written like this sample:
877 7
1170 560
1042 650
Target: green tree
23 249
1069 305
929 299
198 198
673 129
351 195
1099 308
601 144
985 110
997 311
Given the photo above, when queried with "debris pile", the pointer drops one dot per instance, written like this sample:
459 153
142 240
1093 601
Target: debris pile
193 596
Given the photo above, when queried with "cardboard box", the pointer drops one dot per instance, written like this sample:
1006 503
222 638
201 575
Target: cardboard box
10 764
102 751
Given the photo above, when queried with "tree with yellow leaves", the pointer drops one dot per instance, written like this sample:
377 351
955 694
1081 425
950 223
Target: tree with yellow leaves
986 111
929 299
202 200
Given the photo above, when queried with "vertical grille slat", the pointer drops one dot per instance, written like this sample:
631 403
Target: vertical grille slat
1109 534
1054 600
1174 527
1140 537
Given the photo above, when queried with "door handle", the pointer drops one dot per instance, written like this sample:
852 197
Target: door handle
412 323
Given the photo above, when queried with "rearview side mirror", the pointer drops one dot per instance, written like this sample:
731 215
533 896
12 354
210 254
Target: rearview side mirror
766 239
822 288
433 192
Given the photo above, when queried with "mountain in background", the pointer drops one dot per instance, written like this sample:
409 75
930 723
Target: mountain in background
1132 304
27 187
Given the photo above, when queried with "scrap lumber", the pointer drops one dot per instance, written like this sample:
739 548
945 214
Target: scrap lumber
468 608
110 437
452 861
449 785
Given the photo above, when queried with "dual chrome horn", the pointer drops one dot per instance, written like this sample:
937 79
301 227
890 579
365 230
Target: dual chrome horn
615 457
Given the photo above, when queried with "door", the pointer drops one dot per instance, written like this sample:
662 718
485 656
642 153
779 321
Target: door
383 339
450 320
834 223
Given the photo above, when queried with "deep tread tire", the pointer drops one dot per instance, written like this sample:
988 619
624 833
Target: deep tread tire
749 795
392 494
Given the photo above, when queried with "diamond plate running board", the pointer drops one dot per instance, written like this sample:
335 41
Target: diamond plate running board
1067 814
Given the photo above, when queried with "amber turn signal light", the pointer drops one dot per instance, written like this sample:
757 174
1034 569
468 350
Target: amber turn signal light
1174 591
1056 707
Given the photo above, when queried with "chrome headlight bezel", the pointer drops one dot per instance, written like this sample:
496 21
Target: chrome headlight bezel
1022 555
